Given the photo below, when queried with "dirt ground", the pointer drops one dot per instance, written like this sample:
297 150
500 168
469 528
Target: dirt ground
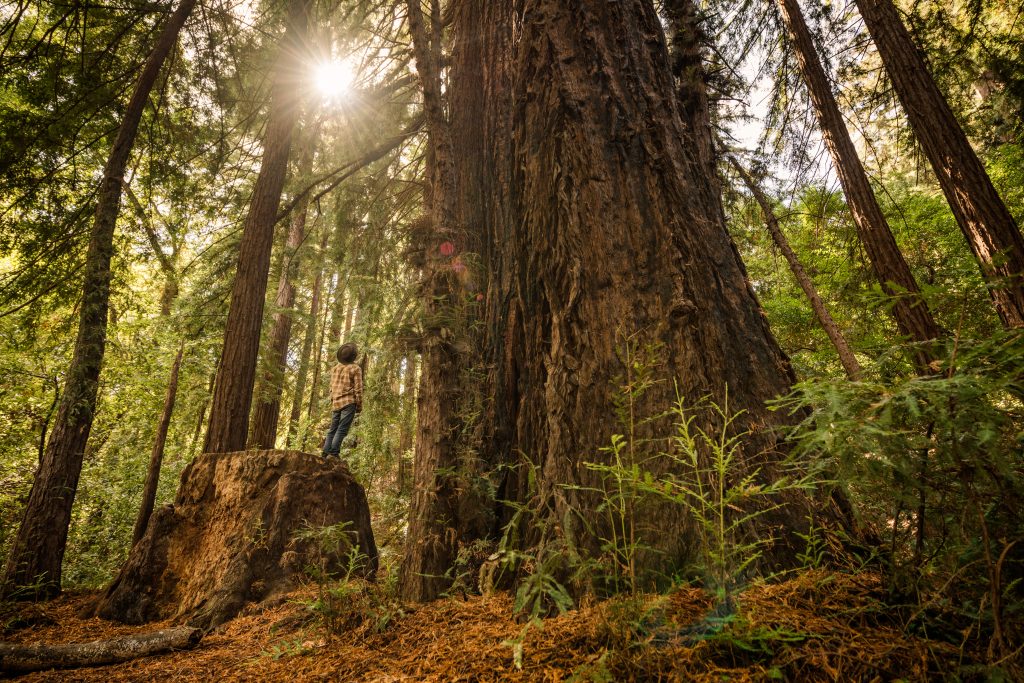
814 627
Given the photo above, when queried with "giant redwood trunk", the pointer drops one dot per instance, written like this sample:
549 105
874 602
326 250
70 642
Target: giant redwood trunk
268 407
913 318
38 550
986 223
236 373
602 235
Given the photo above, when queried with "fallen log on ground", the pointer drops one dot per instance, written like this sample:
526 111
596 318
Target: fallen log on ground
40 657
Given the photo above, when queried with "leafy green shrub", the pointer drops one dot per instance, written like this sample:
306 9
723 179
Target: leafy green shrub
934 466
344 600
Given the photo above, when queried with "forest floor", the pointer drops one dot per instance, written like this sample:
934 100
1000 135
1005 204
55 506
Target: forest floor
817 626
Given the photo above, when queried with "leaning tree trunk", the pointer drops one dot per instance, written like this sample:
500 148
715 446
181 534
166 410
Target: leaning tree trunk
38 550
168 264
603 237
846 357
156 458
986 223
268 408
236 374
432 540
910 311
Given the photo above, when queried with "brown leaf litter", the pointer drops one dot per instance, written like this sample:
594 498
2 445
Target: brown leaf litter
817 626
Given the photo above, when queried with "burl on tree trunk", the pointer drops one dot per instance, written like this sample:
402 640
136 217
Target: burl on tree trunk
233 536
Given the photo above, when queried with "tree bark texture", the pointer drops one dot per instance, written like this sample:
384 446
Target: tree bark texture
241 530
691 92
157 456
602 232
38 550
268 395
913 318
41 657
432 540
236 374
986 223
846 357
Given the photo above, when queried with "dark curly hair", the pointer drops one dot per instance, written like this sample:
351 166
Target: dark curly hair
347 353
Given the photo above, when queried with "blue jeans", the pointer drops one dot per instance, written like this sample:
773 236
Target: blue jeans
341 422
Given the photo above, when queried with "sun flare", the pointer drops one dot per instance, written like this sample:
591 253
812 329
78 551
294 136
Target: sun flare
333 79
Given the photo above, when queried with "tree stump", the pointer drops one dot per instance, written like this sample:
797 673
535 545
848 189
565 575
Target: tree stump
233 536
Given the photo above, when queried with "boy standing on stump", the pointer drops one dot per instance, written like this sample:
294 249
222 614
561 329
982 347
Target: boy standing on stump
346 398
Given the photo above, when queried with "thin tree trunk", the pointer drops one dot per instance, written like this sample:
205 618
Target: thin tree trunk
157 456
349 317
232 394
307 349
168 266
846 357
202 412
314 392
431 544
268 407
338 315
405 442
910 311
38 550
986 223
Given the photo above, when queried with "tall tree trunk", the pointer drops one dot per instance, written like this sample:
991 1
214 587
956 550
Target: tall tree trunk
846 357
431 544
342 302
602 238
405 442
595 215
157 456
201 422
986 223
318 357
268 407
910 311
302 375
38 550
232 395
349 317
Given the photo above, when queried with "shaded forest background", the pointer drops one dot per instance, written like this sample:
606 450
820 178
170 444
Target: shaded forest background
920 423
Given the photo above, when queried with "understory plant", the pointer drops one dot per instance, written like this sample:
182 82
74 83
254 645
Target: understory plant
715 480
345 599
934 467
702 468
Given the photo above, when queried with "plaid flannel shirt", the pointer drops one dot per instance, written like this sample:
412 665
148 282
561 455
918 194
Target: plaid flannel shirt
346 386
